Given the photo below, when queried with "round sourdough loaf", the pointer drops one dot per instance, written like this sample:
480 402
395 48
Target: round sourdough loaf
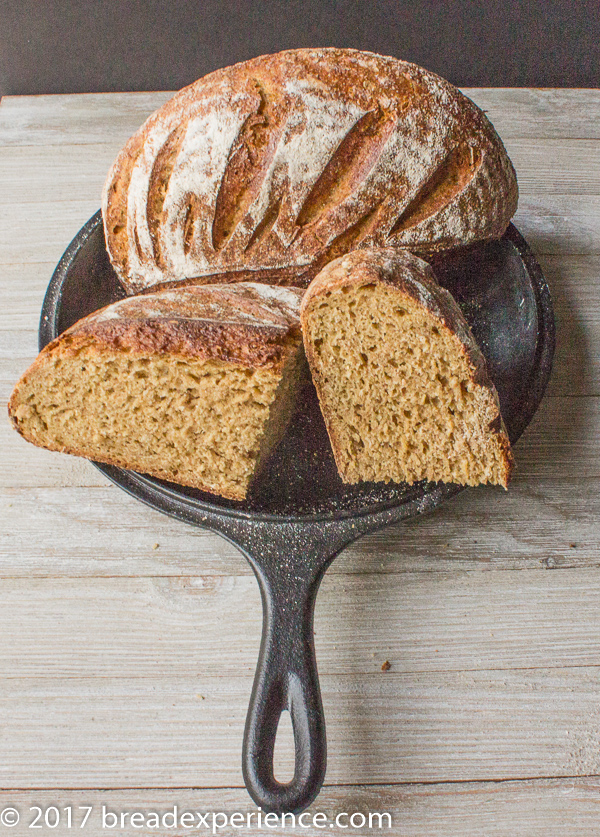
273 167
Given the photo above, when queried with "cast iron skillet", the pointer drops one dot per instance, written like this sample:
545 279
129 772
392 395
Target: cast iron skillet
299 515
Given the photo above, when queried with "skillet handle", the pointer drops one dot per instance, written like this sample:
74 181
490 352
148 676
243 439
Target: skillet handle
286 678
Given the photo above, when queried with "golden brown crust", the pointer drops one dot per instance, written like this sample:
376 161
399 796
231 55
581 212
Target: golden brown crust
247 325
413 277
243 323
410 275
289 160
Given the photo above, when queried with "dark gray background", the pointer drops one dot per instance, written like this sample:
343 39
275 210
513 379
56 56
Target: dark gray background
49 46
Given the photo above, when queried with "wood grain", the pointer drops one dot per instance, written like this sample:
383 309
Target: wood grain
78 530
22 289
534 112
130 639
53 230
555 166
155 628
83 119
187 731
531 808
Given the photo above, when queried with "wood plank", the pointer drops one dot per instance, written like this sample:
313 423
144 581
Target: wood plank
562 440
113 117
22 290
101 531
157 628
71 172
41 232
385 727
573 282
540 113
18 348
55 173
134 681
555 166
26 464
560 224
79 119
531 808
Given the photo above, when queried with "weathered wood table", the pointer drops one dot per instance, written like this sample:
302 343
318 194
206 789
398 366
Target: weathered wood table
129 640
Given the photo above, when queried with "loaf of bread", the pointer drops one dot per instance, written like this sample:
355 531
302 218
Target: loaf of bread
193 385
402 384
269 169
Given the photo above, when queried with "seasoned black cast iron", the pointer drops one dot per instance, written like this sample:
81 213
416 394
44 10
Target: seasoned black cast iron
299 516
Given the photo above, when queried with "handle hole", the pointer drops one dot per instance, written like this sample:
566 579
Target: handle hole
284 750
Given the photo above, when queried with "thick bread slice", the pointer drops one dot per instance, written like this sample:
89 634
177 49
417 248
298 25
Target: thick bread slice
402 384
271 168
193 385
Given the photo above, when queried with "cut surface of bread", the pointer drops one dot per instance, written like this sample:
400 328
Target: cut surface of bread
402 384
194 386
279 164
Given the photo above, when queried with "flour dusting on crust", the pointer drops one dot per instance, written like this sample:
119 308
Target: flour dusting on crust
289 160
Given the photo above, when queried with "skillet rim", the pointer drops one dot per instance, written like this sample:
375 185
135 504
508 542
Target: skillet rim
168 499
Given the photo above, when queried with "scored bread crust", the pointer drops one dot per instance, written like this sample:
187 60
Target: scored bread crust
284 162
250 325
414 277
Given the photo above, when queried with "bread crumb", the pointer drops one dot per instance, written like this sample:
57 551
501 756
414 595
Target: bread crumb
400 380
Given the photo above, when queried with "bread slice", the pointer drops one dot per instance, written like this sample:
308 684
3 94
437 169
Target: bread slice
280 164
192 385
402 384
